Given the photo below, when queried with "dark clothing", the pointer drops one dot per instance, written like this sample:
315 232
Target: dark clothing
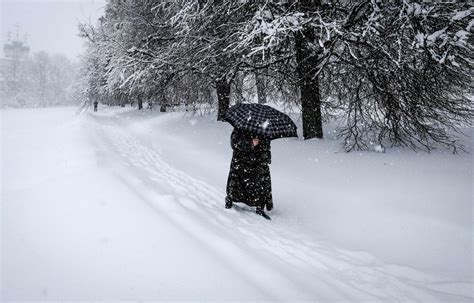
249 177
95 105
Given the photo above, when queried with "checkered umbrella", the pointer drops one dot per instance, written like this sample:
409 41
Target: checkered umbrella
262 120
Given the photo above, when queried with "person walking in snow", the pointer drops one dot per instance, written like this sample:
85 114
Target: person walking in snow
249 176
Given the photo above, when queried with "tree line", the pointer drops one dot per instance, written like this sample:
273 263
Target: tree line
38 80
396 73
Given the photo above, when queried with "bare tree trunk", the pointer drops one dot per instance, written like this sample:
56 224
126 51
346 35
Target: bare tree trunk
163 101
223 97
239 88
140 103
261 88
309 86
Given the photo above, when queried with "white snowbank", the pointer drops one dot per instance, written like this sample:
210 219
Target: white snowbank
127 205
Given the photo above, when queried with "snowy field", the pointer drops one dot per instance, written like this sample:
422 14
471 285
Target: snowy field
128 205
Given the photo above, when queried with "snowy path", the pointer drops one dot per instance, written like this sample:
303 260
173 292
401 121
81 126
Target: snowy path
277 259
202 251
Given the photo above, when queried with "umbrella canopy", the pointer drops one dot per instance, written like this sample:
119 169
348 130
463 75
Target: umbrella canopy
262 120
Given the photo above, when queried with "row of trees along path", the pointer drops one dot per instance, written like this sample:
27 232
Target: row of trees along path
391 72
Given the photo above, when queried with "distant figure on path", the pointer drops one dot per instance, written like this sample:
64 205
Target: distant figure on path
95 105
249 177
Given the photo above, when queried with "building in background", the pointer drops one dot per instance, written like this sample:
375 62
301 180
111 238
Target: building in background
15 52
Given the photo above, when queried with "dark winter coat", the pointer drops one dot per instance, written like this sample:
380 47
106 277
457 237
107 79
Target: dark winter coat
249 176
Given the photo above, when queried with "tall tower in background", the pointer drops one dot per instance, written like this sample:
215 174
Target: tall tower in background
16 48
15 52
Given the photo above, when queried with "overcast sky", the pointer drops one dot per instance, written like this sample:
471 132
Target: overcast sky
50 25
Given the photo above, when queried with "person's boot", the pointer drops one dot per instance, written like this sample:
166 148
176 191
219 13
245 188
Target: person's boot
228 203
260 212
269 206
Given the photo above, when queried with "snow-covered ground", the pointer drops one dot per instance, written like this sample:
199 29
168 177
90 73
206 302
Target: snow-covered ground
128 205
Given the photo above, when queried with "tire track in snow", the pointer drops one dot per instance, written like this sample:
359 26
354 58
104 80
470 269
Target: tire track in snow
308 269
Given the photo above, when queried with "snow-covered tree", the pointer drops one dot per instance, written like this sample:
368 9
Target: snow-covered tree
404 78
396 70
393 72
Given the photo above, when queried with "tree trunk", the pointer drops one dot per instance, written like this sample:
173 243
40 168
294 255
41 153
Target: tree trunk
261 88
140 104
239 88
223 99
163 101
309 86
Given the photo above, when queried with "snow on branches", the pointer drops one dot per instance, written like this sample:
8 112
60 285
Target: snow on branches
395 71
